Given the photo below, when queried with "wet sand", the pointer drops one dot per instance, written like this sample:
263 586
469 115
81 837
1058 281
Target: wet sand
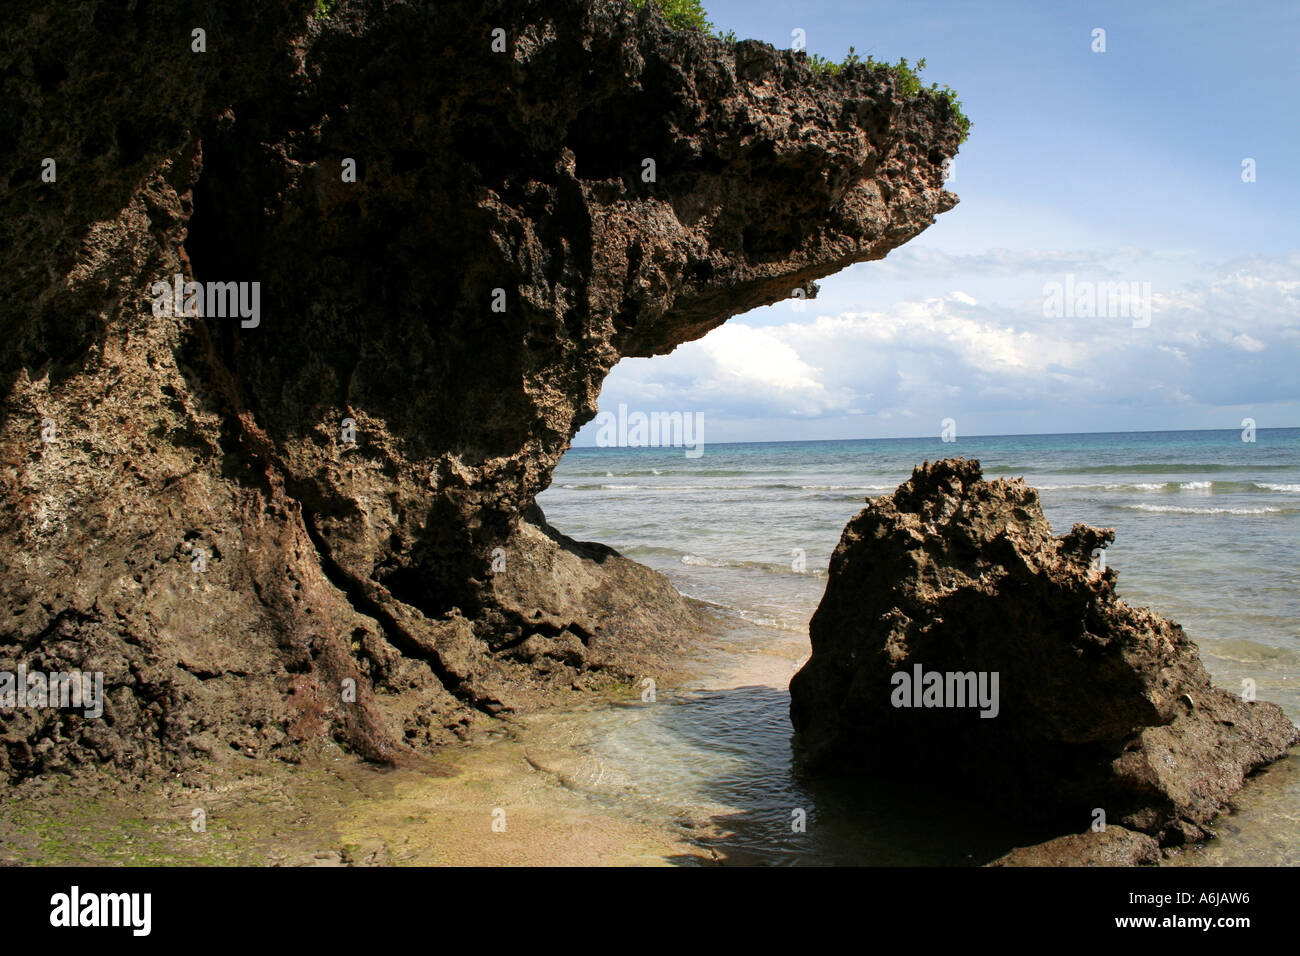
330 812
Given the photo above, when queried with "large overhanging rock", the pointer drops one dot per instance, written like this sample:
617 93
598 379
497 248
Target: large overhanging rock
352 466
960 643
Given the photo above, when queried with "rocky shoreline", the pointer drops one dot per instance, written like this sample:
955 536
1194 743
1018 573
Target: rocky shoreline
310 523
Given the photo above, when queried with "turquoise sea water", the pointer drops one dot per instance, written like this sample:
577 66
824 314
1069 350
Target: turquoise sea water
1207 532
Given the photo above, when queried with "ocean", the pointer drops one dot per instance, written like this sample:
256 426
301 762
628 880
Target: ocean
1207 532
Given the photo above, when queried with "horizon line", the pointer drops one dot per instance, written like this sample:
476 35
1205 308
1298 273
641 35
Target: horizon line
809 441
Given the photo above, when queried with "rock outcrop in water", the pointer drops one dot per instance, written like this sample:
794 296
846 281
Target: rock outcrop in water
1097 705
1113 846
240 519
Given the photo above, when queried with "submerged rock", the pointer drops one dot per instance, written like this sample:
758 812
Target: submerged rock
318 522
960 643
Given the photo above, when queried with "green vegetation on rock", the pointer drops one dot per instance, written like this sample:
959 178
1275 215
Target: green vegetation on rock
909 80
690 15
682 14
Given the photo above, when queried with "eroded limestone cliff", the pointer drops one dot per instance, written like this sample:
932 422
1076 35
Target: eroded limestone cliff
238 521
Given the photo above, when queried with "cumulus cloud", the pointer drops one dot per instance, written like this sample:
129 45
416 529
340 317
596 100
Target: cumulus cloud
1226 340
736 370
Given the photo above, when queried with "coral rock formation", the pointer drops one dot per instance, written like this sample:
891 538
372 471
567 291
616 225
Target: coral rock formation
1100 705
356 470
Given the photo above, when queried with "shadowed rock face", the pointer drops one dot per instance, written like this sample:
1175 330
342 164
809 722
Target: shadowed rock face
1100 705
413 562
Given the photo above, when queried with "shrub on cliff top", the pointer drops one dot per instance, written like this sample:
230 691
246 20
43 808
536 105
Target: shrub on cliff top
909 80
690 15
682 14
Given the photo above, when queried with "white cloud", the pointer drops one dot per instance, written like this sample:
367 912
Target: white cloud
1230 339
751 357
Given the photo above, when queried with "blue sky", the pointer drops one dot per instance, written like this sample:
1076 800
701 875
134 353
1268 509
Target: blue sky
1117 166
